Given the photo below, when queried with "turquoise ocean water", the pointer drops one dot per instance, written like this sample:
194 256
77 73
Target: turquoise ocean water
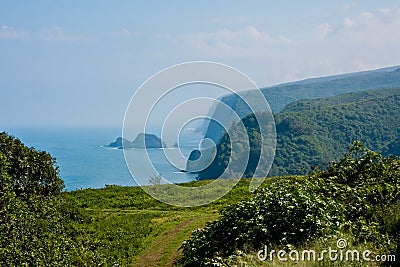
85 161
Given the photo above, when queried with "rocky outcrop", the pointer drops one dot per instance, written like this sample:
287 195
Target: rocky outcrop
142 140
121 143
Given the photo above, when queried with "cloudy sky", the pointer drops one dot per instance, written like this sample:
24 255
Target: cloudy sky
78 63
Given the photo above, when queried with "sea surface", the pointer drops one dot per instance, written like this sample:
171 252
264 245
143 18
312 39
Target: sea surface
85 161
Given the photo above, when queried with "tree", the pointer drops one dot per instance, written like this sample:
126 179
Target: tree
37 224
32 172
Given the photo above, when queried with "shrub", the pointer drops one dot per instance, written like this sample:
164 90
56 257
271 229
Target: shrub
38 227
287 212
291 211
32 172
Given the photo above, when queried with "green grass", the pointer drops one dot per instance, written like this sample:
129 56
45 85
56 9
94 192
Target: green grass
135 229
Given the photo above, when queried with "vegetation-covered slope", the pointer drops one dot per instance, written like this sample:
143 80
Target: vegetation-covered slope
316 132
113 226
357 198
280 96
38 227
133 229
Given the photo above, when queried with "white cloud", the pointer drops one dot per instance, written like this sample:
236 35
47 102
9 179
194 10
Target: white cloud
350 6
348 22
323 30
8 32
384 10
367 15
381 26
246 41
254 34
247 34
381 29
229 20
125 32
50 34
364 40
57 34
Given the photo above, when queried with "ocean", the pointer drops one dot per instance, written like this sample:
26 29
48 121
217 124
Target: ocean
85 161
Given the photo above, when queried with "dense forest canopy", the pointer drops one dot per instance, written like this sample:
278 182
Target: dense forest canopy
279 96
316 132
38 226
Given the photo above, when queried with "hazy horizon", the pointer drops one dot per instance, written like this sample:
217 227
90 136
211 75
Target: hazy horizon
78 64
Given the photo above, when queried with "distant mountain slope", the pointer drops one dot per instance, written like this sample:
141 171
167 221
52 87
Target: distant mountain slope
281 95
343 75
312 132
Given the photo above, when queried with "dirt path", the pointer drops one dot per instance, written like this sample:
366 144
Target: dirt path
152 256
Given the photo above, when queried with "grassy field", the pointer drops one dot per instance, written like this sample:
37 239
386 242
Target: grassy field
130 228
133 229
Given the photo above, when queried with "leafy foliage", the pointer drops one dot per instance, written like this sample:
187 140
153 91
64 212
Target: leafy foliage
250 142
316 132
132 224
106 227
280 96
284 213
32 172
38 227
346 197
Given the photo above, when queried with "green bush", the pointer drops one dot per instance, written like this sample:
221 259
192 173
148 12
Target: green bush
289 211
344 198
33 172
38 227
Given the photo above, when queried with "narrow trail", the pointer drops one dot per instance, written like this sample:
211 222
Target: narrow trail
152 256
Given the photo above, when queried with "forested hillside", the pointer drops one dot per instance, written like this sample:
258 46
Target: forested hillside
316 132
280 96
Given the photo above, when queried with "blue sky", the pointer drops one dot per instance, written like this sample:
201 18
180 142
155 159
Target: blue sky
65 63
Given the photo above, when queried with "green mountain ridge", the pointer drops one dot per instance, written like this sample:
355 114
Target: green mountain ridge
279 96
316 132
